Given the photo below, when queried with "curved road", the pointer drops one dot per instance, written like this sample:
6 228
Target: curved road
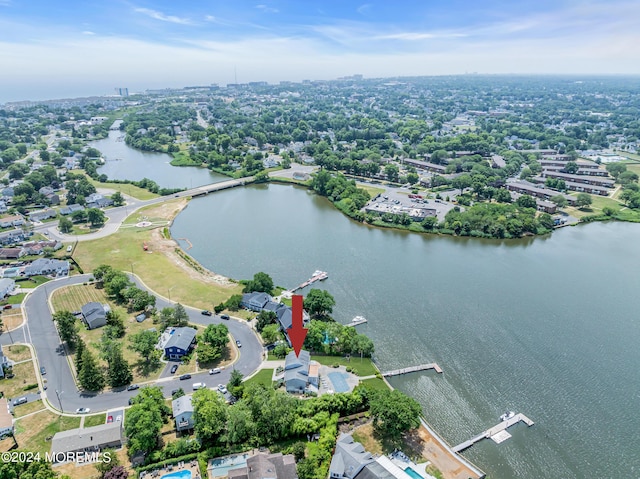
62 393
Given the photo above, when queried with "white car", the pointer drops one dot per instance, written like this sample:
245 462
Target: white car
222 388
197 386
83 410
214 371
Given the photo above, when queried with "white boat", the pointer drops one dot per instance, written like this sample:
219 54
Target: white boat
320 275
507 415
357 320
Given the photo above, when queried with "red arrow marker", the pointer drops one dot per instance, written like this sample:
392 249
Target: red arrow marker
296 332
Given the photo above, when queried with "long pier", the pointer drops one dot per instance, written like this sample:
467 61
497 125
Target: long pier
495 430
413 369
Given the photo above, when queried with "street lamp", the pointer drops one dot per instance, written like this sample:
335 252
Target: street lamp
132 263
58 393
169 291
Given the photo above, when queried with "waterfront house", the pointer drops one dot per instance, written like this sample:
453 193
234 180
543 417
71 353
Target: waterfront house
349 458
183 412
255 301
87 439
176 342
300 373
94 314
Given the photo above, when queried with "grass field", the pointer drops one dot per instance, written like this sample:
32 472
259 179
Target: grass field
157 267
24 375
17 352
361 367
366 436
375 384
372 190
127 189
261 377
32 431
16 298
71 298
95 420
28 408
11 319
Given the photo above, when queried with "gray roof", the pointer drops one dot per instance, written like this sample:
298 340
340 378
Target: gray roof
374 470
181 338
46 264
296 370
267 466
95 436
349 458
293 362
94 314
182 405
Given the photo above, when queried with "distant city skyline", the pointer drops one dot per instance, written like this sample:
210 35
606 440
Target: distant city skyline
70 49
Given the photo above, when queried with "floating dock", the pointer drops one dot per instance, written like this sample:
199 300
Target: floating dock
317 276
413 369
498 431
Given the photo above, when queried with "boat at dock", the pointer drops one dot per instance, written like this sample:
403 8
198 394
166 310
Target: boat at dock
320 275
507 415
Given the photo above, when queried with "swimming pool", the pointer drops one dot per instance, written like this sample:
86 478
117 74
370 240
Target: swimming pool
413 473
339 382
186 474
221 467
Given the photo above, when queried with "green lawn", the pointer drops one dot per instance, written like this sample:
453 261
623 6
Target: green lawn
16 298
95 420
32 282
32 432
361 367
261 377
372 190
375 384
127 189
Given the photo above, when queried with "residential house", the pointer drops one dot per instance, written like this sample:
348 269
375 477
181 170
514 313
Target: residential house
584 179
93 197
3 207
87 439
53 199
14 220
11 253
42 215
527 188
296 373
33 247
47 266
7 286
183 413
6 419
176 342
71 163
94 314
255 301
266 466
4 363
13 236
67 210
46 190
349 458
8 192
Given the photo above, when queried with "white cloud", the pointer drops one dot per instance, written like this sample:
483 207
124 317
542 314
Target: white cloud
267 9
156 15
416 36
88 32
364 8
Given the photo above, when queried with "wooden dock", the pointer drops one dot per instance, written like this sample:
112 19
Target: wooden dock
493 431
413 369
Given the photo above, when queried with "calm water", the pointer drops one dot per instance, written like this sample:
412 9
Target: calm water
547 327
126 163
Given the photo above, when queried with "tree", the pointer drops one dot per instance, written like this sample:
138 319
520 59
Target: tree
571 167
145 419
270 333
217 335
118 472
144 343
233 303
583 200
560 200
264 319
526 201
429 223
412 178
90 376
392 172
261 282
180 316
117 198
240 426
116 323
103 467
119 372
96 217
67 327
209 415
65 225
616 168
393 412
79 216
80 346
319 303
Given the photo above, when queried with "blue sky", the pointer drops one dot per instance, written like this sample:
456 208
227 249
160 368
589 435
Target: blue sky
51 49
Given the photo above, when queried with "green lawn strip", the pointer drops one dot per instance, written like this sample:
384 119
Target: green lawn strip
261 377
95 420
28 408
127 189
32 282
375 384
33 433
360 367
24 375
16 298
124 250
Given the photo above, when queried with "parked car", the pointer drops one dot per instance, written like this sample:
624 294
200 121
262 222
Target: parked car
214 371
69 248
222 388
174 391
132 387
206 312
19 401
185 376
238 343
174 368
119 418
83 410
110 419
224 316
197 386
77 313
43 371
7 306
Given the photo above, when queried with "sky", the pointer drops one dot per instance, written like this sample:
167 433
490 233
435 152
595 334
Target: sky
60 49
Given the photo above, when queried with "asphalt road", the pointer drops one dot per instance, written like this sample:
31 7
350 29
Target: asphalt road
62 391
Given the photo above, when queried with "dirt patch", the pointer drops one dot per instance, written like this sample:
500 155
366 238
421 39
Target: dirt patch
12 319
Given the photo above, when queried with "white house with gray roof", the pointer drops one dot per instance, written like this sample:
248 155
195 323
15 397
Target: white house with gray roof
297 377
88 439
94 314
54 267
183 412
